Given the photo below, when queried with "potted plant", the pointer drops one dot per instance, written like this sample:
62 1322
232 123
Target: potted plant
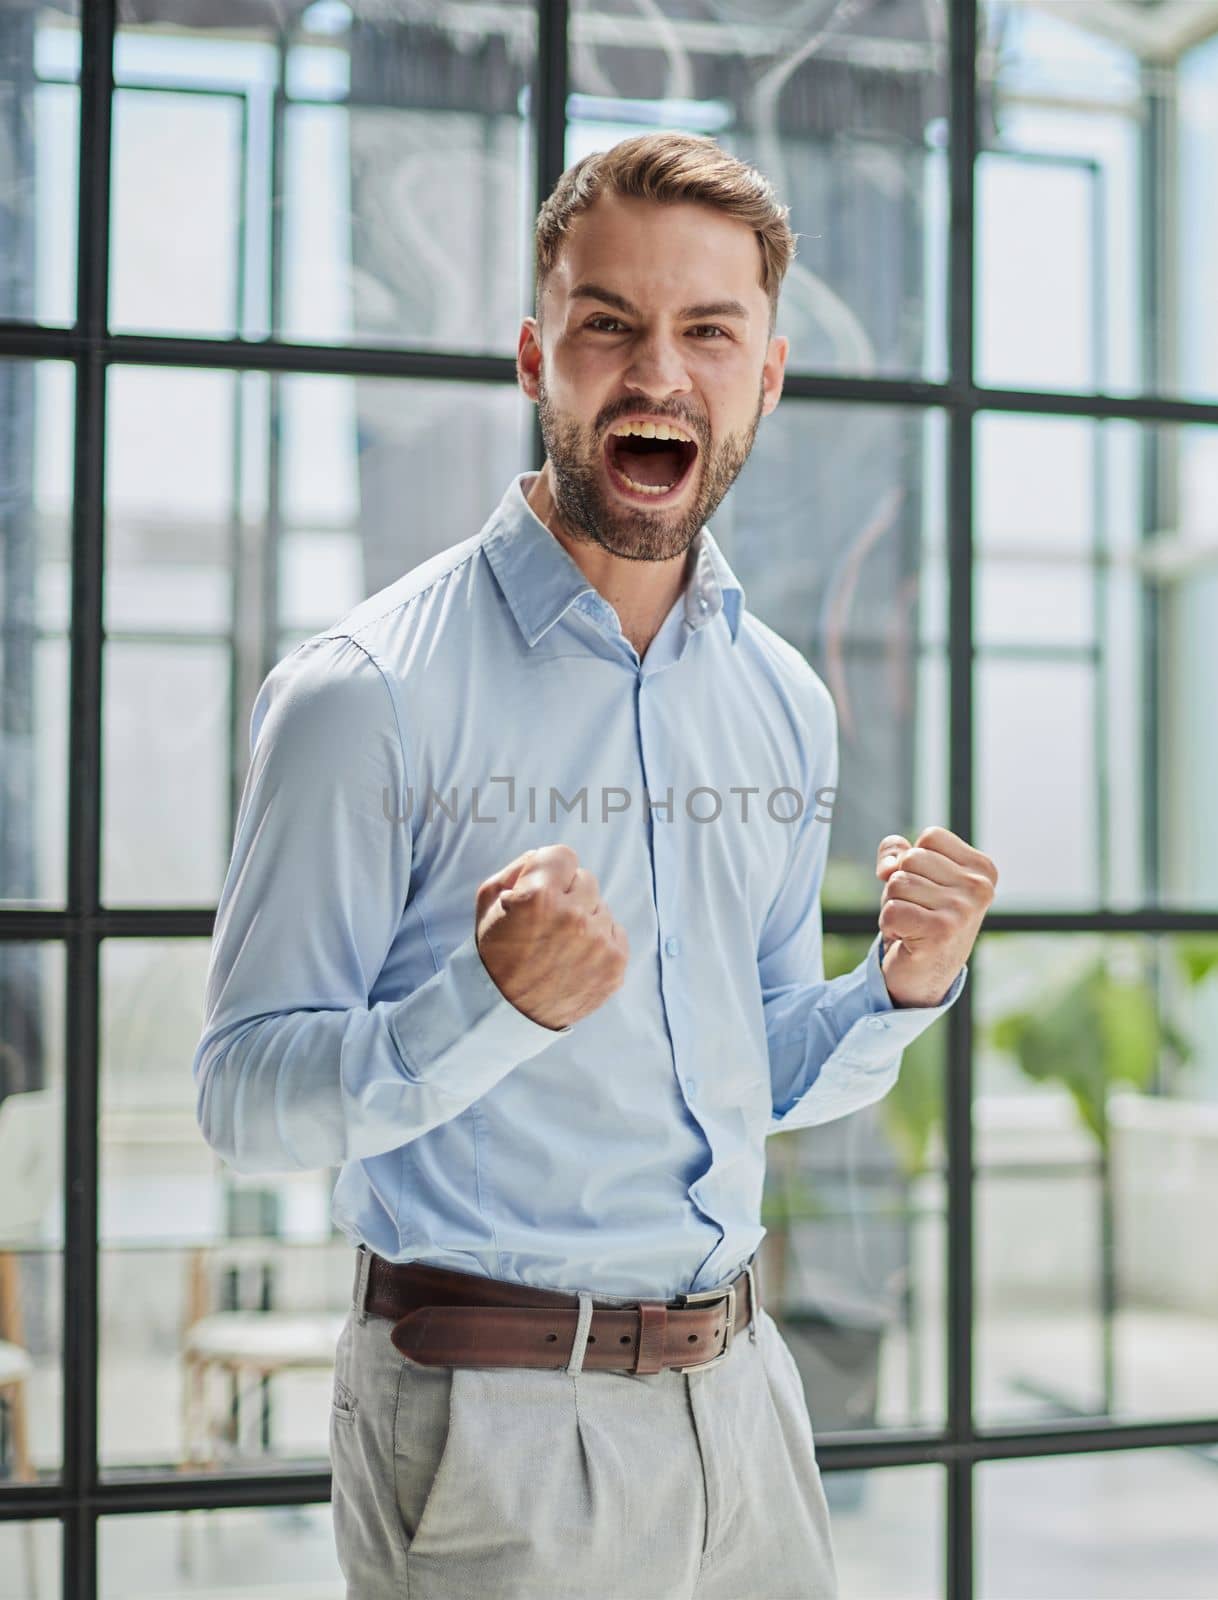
1098 1025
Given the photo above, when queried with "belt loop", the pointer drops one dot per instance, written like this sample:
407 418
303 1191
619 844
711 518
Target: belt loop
653 1323
359 1291
756 1317
580 1342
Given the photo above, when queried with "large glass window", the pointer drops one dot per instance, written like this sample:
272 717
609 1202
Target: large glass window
30 1559
1095 1119
40 82
835 531
1097 243
36 438
264 270
1095 589
277 1552
221 1297
327 173
243 513
1105 1525
31 1211
845 108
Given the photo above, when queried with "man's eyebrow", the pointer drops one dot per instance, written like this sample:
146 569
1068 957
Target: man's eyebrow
707 308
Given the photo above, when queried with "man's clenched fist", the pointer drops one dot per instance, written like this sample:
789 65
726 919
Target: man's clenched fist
936 893
547 938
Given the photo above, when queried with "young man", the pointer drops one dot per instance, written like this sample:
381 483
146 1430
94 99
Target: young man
522 928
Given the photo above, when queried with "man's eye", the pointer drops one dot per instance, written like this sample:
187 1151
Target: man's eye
607 324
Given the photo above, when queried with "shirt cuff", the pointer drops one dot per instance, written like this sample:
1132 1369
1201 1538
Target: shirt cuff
888 1028
460 1027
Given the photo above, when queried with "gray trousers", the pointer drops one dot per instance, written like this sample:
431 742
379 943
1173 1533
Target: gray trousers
522 1483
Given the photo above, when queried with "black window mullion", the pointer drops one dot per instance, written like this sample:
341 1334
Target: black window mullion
958 1089
549 111
80 1317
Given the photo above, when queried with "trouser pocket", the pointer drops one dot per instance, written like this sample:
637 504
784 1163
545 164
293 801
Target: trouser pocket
421 1437
378 1492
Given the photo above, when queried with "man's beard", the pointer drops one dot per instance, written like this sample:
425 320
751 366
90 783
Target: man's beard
583 502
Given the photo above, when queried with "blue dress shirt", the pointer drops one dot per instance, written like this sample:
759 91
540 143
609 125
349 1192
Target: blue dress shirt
484 704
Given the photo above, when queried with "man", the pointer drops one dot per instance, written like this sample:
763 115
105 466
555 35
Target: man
522 928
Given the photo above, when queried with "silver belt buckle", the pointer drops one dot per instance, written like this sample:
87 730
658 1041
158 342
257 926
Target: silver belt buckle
701 1298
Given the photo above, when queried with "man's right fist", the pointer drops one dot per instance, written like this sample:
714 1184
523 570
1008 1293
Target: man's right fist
547 938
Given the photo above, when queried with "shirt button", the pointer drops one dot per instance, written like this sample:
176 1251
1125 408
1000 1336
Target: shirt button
702 601
691 1087
672 946
879 1022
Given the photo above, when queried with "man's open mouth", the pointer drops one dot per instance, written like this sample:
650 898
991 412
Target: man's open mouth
650 460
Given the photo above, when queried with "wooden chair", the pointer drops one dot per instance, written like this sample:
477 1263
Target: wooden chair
31 1133
246 1347
16 1370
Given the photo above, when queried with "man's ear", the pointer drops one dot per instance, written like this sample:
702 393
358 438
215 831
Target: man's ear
528 356
772 372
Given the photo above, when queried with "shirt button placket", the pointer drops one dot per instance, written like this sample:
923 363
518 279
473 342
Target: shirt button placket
662 857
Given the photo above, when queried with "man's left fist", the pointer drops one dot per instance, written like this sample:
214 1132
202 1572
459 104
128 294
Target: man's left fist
935 894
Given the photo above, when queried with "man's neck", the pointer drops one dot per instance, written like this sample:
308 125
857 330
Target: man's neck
641 592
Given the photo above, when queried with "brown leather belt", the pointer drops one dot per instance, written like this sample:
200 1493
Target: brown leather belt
460 1319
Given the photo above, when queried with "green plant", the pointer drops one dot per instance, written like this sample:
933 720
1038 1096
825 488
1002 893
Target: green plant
1093 1026
787 1196
1099 1026
1197 954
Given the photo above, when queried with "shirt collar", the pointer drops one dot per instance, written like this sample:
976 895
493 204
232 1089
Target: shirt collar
540 580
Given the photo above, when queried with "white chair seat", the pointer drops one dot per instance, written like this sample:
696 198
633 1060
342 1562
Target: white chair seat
268 1339
15 1364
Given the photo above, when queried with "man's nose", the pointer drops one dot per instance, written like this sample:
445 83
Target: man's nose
657 369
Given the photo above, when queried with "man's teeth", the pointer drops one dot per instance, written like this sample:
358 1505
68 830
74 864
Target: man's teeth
646 488
664 431
651 430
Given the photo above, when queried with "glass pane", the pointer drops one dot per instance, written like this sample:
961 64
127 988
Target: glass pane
834 529
177 212
285 1551
358 451
31 1212
1037 759
165 780
1097 131
1109 1526
1037 532
1096 589
1019 197
29 1559
389 204
39 78
36 407
846 115
186 467
242 509
888 1532
222 1297
1096 1138
852 1263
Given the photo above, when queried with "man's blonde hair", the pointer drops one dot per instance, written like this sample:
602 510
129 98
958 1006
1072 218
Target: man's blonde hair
671 167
